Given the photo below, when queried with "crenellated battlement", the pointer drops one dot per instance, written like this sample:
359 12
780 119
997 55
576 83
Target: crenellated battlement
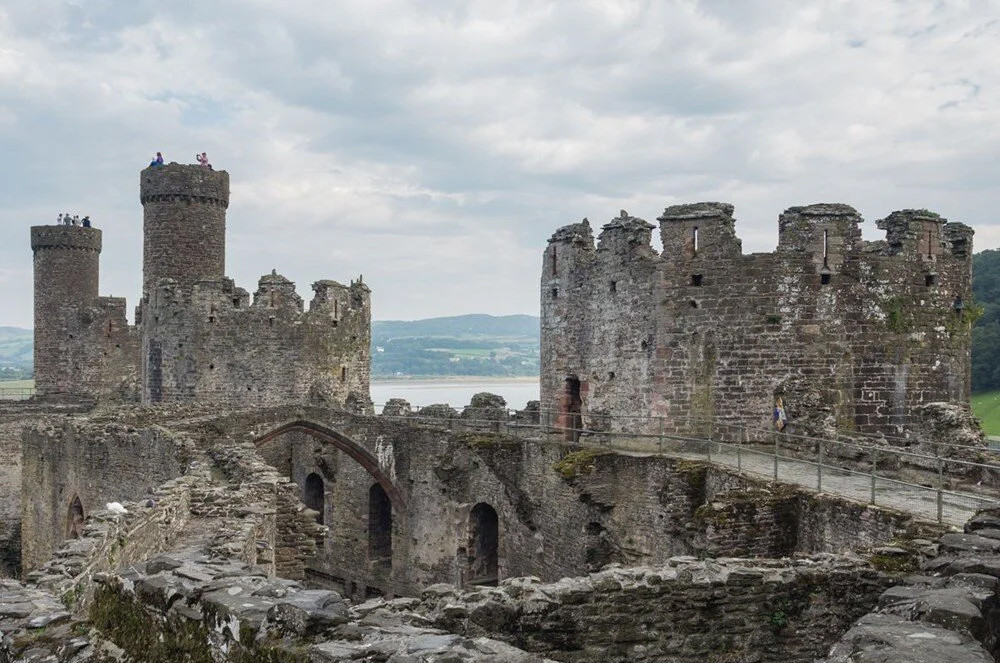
65 237
867 330
176 182
197 337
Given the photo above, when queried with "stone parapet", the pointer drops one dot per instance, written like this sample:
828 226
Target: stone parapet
65 237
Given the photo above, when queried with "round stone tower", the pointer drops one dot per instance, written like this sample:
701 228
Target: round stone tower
67 269
183 224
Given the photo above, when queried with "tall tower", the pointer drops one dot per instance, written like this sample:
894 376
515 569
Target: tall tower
183 224
67 268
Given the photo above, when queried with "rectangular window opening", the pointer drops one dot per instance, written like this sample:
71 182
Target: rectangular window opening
554 270
824 279
614 286
826 249
930 244
930 280
343 374
555 293
696 280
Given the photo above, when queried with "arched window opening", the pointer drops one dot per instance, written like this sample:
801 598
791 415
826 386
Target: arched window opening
76 518
484 540
312 495
572 421
379 530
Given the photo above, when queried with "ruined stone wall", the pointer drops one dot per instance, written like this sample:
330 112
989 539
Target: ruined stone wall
559 513
95 463
210 343
682 611
14 417
851 334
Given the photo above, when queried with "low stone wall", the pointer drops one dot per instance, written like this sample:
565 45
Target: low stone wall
686 611
268 512
949 612
194 609
110 540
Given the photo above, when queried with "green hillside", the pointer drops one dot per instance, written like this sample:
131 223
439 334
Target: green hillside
15 353
464 345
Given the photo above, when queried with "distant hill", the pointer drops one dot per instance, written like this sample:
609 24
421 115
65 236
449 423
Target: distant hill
15 353
459 326
463 345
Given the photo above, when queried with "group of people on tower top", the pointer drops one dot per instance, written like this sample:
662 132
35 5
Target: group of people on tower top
74 220
202 160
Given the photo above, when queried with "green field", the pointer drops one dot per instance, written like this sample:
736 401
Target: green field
17 384
986 406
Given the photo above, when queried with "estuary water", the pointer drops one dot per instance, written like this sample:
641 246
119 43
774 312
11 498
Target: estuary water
455 392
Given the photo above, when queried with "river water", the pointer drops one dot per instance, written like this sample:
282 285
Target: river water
457 392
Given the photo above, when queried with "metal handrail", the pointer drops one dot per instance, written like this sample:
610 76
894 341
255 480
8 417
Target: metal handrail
959 504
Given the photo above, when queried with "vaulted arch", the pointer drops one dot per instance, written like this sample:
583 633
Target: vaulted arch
354 450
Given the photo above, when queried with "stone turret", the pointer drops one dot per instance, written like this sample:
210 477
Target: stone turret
183 224
67 268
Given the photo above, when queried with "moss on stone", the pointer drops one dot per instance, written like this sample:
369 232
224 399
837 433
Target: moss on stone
894 564
487 440
578 463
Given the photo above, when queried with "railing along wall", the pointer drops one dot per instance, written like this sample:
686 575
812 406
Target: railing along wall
947 484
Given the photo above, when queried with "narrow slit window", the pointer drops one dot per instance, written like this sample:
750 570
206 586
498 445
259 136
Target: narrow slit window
694 239
554 270
336 308
555 293
930 251
614 286
343 374
826 248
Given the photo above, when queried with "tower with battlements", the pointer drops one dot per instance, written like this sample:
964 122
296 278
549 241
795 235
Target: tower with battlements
197 337
84 346
852 335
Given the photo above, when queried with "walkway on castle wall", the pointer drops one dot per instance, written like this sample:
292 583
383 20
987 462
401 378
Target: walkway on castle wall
921 502
924 502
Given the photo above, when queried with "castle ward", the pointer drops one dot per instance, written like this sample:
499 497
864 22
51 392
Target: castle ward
736 458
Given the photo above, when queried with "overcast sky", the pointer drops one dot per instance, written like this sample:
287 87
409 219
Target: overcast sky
435 146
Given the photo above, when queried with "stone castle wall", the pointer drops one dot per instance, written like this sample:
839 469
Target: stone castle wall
197 336
84 346
851 334
211 343
96 463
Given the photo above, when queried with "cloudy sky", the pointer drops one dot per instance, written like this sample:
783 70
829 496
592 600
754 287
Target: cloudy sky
435 146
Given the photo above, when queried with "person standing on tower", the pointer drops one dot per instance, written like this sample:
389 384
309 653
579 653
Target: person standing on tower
158 161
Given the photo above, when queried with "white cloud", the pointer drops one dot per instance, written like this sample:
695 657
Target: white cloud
435 146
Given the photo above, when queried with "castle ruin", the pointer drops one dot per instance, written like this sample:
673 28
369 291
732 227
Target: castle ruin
197 336
851 335
211 484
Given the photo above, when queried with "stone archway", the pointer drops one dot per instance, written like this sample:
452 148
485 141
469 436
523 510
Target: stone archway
484 542
354 450
313 496
75 518
379 530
